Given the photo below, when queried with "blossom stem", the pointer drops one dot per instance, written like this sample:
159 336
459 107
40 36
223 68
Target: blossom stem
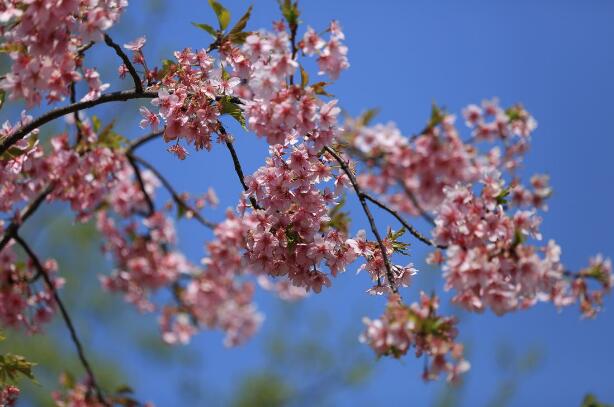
69 324
237 164
403 222
138 85
363 202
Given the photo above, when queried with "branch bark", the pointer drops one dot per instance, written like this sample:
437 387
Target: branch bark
67 320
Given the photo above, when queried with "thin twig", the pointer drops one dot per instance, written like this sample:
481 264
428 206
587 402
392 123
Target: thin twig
69 324
138 85
362 198
120 96
151 209
20 218
136 143
237 165
176 197
403 222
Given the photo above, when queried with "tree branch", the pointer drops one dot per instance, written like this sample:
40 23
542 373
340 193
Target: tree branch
138 85
69 324
176 197
237 164
120 96
362 198
403 222
151 209
19 219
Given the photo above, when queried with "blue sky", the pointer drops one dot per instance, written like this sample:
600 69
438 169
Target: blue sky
553 56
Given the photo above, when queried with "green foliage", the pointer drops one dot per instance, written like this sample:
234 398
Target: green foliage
397 246
591 401
222 14
207 28
368 116
263 390
232 109
14 152
13 366
290 12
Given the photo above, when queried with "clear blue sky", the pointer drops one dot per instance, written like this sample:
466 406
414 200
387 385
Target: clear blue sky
555 57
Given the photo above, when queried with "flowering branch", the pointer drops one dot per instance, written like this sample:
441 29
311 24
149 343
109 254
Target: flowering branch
362 198
138 85
120 96
405 224
20 218
237 164
69 324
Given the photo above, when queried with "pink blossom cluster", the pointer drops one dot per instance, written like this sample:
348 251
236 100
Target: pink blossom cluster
186 100
332 54
215 298
83 394
22 303
9 395
418 325
282 112
43 40
489 262
289 237
422 166
143 262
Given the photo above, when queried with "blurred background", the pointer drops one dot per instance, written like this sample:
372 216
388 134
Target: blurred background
553 56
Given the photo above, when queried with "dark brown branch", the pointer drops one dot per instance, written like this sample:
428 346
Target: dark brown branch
151 209
67 320
176 197
138 85
120 96
20 218
237 165
136 143
403 222
362 198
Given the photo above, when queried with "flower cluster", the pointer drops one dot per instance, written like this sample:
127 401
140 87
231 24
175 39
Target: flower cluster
282 112
424 165
43 39
143 262
418 325
22 304
489 262
332 54
9 395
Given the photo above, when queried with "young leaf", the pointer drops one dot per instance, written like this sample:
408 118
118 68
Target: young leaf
232 109
223 15
207 28
240 25
304 77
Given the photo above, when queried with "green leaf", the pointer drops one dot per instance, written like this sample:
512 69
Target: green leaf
304 77
319 88
290 12
167 66
13 365
2 97
238 38
437 116
242 23
368 116
223 15
207 28
232 109
502 197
